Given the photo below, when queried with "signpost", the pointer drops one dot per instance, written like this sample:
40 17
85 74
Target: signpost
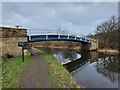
23 45
23 54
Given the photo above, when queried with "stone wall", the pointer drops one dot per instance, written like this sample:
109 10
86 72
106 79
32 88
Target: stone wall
9 41
10 46
13 32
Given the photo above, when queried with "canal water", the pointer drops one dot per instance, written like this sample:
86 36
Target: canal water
90 69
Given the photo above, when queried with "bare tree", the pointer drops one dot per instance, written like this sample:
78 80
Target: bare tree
107 33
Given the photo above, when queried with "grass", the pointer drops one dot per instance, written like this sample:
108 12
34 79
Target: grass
12 71
59 76
0 77
0 73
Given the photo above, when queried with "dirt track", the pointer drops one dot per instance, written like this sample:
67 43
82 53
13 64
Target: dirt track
35 75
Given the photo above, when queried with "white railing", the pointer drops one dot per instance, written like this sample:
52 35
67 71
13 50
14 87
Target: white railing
50 32
53 32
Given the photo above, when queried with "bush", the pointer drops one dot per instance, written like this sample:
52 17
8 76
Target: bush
7 56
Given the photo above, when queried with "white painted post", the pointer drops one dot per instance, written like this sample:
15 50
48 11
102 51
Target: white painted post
58 36
68 37
75 38
46 36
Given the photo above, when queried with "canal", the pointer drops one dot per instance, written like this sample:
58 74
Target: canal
90 69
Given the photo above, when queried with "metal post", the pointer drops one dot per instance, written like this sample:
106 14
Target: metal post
23 54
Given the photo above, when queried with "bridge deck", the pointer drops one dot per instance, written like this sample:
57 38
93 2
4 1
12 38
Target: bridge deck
37 38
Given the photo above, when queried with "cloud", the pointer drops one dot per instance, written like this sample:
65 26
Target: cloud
60 0
15 19
80 17
18 17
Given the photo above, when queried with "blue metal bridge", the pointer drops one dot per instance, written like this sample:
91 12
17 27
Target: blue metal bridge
40 35
58 37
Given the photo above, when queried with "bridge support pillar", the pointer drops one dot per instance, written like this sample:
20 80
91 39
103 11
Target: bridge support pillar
85 46
92 46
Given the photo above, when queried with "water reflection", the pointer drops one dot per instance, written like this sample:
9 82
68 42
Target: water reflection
108 66
64 56
100 73
90 69
80 62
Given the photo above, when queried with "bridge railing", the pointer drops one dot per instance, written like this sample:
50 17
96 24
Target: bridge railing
54 32
46 31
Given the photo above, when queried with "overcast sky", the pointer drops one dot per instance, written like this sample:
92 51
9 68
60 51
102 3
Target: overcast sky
75 17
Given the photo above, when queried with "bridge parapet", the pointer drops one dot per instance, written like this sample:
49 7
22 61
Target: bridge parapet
60 37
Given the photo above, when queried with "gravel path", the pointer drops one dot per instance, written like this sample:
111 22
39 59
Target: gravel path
36 74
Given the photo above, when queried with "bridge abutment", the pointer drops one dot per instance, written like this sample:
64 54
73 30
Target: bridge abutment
85 46
92 46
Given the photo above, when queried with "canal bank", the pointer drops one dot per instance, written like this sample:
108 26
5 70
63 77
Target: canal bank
90 69
58 75
18 74
108 51
61 47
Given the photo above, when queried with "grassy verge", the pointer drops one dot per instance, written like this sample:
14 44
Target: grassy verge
59 76
0 73
109 51
0 77
12 71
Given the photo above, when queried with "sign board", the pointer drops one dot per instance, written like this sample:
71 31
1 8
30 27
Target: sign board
22 44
